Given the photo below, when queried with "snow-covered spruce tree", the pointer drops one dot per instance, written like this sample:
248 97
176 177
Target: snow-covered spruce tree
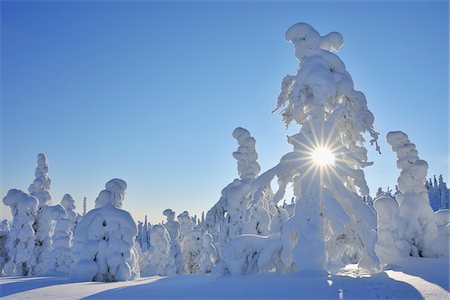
20 244
417 214
186 224
43 224
325 167
173 227
391 243
160 260
225 220
60 258
104 246
69 205
41 184
438 193
4 232
199 254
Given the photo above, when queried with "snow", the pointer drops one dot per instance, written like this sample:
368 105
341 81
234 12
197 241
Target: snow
412 278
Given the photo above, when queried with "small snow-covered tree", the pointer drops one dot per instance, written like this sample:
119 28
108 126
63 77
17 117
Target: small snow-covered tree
104 246
417 214
61 259
186 224
69 205
199 254
160 260
20 244
173 227
391 243
4 232
444 193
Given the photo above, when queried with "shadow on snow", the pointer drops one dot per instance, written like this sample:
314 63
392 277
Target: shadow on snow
266 286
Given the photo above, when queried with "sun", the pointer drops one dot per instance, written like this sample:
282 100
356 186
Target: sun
323 157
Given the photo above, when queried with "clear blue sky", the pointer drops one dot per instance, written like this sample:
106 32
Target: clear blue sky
150 92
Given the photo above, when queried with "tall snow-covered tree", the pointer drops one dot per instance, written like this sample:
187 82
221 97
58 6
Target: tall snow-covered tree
325 167
45 219
417 214
104 246
226 219
173 227
20 244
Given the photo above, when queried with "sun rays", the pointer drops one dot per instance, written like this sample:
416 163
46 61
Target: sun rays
323 157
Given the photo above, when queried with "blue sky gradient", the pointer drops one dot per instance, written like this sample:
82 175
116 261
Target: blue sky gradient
150 92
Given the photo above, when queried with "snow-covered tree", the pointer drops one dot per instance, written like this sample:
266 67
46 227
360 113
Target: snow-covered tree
391 243
20 244
225 220
438 193
104 246
199 254
327 159
4 232
60 258
113 193
414 209
186 224
44 221
41 184
160 260
173 227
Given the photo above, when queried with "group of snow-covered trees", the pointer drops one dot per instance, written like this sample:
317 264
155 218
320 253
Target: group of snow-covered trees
438 193
331 220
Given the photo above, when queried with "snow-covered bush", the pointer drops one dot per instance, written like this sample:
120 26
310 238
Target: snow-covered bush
391 242
250 254
104 244
441 244
173 227
199 254
420 226
333 118
160 260
20 244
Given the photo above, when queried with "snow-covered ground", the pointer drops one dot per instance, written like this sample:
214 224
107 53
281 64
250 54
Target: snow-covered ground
411 278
